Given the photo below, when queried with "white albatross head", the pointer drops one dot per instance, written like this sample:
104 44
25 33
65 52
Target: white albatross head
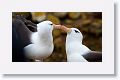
73 34
46 27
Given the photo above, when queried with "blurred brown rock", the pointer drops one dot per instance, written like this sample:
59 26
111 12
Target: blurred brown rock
69 21
53 18
60 14
38 16
56 33
74 15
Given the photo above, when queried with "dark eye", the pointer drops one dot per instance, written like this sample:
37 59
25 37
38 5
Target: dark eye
51 24
76 31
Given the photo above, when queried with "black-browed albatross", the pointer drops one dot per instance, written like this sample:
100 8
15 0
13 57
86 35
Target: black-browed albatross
75 50
42 41
26 44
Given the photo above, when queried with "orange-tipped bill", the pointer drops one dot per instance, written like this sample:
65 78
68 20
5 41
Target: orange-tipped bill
62 27
65 29
56 26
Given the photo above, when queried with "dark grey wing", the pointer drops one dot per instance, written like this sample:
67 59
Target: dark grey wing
20 39
30 25
93 56
21 31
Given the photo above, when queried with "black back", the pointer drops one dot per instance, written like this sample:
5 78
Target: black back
20 37
93 56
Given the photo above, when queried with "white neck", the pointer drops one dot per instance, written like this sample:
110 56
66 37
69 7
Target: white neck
70 39
39 39
75 46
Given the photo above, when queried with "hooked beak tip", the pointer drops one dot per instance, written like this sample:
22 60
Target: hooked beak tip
65 29
62 27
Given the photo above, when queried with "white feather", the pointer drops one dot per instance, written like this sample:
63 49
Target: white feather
74 47
42 42
75 57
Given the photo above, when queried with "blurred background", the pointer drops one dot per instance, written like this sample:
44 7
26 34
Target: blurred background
89 23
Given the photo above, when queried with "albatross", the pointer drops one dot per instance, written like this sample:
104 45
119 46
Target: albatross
27 35
41 45
75 50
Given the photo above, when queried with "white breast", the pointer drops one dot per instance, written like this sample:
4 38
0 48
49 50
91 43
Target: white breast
75 50
38 49
38 52
75 57
76 47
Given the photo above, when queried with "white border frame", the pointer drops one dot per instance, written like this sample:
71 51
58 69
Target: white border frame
104 67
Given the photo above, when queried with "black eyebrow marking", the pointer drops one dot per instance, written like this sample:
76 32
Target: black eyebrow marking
76 31
51 24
